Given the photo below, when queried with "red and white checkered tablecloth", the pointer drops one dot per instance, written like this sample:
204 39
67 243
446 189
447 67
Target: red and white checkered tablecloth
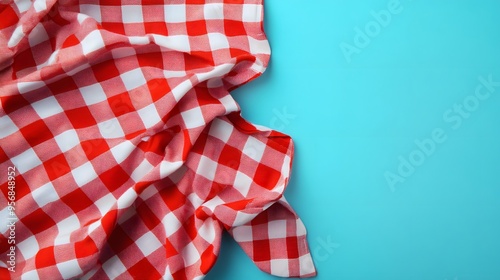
130 155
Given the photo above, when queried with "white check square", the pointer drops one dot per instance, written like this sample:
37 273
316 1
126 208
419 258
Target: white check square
114 267
105 203
229 103
45 194
111 128
181 89
175 13
37 35
47 107
92 42
65 228
133 79
252 13
25 87
84 173
148 243
279 267
193 118
173 42
277 229
218 41
242 218
221 130
207 168
132 14
170 223
142 170
69 269
94 11
213 11
258 46
26 161
67 140
149 115
190 254
30 275
39 5
23 5
242 183
121 151
7 126
29 247
126 199
93 94
254 149
243 233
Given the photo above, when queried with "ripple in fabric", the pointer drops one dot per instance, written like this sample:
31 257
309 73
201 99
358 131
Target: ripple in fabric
130 155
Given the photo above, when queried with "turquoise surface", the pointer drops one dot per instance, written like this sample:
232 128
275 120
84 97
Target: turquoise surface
397 163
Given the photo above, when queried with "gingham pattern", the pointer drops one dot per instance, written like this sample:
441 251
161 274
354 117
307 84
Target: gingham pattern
131 154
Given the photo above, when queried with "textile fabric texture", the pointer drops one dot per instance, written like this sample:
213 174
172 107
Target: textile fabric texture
130 155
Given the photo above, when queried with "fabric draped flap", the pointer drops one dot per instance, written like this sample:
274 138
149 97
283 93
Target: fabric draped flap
130 155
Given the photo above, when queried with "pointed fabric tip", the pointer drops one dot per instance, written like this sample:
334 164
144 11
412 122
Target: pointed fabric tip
276 242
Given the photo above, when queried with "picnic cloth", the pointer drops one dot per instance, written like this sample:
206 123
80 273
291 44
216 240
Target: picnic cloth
123 154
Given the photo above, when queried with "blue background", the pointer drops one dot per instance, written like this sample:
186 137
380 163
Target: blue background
351 121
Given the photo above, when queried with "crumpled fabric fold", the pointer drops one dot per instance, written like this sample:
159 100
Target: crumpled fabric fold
130 155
